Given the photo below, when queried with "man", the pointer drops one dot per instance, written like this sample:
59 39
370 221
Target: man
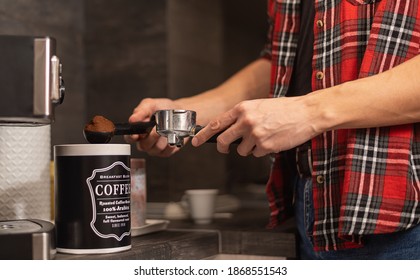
349 118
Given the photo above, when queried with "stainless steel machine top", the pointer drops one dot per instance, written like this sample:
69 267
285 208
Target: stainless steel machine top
31 82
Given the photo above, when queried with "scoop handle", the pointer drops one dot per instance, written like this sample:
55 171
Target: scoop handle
134 128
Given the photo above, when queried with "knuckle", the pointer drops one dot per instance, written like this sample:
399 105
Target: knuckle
257 135
222 141
221 148
139 146
161 144
248 121
241 152
231 115
264 146
241 107
146 101
258 154
143 146
142 103
214 125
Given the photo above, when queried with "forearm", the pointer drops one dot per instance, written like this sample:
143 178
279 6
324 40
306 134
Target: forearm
251 82
389 98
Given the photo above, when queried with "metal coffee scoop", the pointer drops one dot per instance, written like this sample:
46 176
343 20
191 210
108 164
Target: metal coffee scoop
96 134
175 125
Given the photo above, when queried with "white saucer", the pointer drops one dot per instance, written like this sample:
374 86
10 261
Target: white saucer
149 227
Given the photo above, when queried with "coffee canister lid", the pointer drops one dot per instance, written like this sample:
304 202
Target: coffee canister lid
92 149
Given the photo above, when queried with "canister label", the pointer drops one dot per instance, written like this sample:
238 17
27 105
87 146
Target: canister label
109 189
92 203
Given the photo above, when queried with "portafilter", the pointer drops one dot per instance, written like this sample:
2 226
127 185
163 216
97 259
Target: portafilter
175 125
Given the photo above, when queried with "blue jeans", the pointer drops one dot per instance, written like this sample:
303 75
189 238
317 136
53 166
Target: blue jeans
404 245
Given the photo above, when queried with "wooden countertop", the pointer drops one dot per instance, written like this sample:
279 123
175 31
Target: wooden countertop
163 245
244 233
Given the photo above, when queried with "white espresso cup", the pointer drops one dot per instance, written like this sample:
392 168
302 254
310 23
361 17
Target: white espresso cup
201 204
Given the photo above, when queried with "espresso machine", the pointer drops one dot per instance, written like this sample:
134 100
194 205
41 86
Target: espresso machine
31 85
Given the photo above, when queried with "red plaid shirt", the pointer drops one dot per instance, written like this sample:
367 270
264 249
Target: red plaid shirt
365 181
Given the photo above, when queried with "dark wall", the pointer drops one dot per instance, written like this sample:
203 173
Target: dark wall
125 55
195 55
63 20
126 59
117 52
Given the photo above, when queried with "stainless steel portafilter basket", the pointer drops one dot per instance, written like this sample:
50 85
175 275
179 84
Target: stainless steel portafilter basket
175 125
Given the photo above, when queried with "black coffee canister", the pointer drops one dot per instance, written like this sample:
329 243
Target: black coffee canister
92 198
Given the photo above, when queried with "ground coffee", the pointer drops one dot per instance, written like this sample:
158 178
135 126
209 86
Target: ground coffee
100 124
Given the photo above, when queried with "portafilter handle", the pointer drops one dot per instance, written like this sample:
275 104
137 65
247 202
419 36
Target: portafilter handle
213 139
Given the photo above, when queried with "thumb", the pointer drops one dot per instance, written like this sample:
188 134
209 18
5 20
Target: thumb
143 111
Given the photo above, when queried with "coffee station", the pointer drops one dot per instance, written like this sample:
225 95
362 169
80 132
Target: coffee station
42 133
262 133
31 87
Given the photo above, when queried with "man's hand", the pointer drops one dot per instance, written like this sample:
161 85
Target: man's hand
265 126
153 143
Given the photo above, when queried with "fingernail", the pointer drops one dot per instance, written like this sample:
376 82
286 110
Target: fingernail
194 142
